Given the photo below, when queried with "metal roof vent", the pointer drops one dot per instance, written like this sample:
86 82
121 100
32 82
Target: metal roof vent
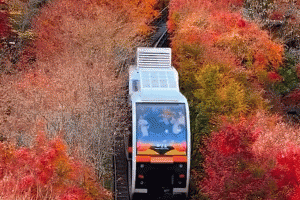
154 57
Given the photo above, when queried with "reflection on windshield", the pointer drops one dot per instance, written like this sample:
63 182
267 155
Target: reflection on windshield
143 125
161 125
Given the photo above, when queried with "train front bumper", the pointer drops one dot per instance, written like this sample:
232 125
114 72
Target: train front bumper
161 178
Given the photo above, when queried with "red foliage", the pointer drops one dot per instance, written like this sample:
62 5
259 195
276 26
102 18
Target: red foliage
175 7
74 193
277 15
223 4
235 171
228 3
274 77
44 168
225 21
227 163
27 182
4 22
241 23
293 98
296 194
49 25
287 170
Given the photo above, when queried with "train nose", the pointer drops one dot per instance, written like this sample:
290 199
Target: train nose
161 178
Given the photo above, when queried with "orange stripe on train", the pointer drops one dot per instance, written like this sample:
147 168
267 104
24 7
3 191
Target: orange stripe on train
161 159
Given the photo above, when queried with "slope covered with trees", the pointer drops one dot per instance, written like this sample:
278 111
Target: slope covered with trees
240 80
69 73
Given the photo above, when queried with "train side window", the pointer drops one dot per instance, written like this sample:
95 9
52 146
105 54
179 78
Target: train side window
135 85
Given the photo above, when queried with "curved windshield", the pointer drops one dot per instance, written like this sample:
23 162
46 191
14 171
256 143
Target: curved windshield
161 128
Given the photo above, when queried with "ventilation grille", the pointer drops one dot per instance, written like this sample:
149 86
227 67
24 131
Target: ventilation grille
154 57
158 79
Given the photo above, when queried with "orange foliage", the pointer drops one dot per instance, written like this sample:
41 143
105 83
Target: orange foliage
298 70
141 11
223 34
142 8
35 80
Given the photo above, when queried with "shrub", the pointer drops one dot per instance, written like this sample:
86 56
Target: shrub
45 171
288 72
252 159
287 172
220 94
279 140
232 171
293 98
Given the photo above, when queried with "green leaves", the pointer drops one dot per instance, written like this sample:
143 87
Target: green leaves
288 72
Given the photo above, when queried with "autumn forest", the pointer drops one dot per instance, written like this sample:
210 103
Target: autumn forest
63 97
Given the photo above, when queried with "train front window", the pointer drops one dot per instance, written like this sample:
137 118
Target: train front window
161 128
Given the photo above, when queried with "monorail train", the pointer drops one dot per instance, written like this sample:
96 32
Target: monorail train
159 149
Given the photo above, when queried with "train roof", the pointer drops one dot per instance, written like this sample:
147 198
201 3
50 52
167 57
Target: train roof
153 78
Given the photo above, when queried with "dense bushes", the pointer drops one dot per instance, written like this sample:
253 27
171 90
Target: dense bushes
288 73
45 170
230 165
221 58
225 37
239 164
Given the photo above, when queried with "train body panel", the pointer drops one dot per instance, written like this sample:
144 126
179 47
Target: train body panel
161 144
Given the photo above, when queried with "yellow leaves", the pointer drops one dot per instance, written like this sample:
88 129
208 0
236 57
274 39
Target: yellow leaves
63 168
233 97
219 92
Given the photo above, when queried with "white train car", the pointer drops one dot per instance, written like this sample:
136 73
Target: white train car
160 148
